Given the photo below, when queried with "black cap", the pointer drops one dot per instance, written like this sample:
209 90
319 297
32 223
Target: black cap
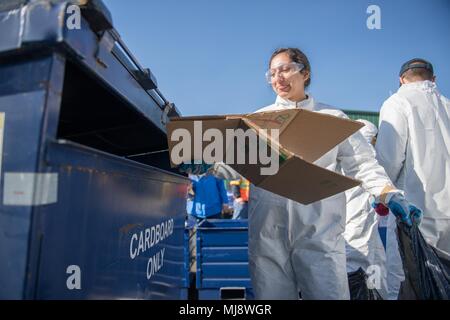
414 64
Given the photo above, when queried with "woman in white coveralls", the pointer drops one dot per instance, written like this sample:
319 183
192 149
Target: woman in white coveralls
300 248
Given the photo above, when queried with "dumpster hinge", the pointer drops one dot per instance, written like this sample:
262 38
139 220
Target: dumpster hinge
169 111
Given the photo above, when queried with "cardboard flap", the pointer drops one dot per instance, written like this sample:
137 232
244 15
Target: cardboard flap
257 173
278 119
312 134
309 184
306 133
304 137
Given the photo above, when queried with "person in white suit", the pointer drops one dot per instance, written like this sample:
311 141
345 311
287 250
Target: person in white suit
414 147
364 248
300 248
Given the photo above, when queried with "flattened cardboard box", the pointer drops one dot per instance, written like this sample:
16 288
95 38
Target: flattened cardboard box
304 137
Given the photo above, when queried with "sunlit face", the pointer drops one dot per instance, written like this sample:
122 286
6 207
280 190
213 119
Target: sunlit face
288 85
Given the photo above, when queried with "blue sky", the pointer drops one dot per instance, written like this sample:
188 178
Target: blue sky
209 56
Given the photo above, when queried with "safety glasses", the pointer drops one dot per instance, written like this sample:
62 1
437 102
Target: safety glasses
285 71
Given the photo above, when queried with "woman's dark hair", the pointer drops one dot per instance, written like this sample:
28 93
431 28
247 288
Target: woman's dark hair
296 55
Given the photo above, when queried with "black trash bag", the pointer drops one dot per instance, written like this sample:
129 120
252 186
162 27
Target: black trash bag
427 269
357 282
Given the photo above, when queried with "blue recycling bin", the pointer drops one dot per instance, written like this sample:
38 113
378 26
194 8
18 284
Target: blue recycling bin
222 260
90 208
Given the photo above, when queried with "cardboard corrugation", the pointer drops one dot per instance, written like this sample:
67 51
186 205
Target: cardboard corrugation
304 137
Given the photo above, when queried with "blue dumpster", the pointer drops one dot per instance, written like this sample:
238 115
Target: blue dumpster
222 260
89 207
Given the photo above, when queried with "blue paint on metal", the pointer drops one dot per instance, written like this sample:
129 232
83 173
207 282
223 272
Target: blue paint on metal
108 207
218 294
218 254
225 269
223 236
222 256
226 282
100 207
221 232
223 224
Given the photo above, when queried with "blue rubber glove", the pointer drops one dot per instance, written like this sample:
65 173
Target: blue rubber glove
405 211
416 214
193 168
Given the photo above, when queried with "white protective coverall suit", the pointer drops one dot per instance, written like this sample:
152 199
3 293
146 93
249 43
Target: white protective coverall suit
364 247
414 148
394 265
295 247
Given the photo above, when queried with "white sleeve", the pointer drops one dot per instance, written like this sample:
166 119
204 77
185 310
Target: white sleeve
392 138
357 159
